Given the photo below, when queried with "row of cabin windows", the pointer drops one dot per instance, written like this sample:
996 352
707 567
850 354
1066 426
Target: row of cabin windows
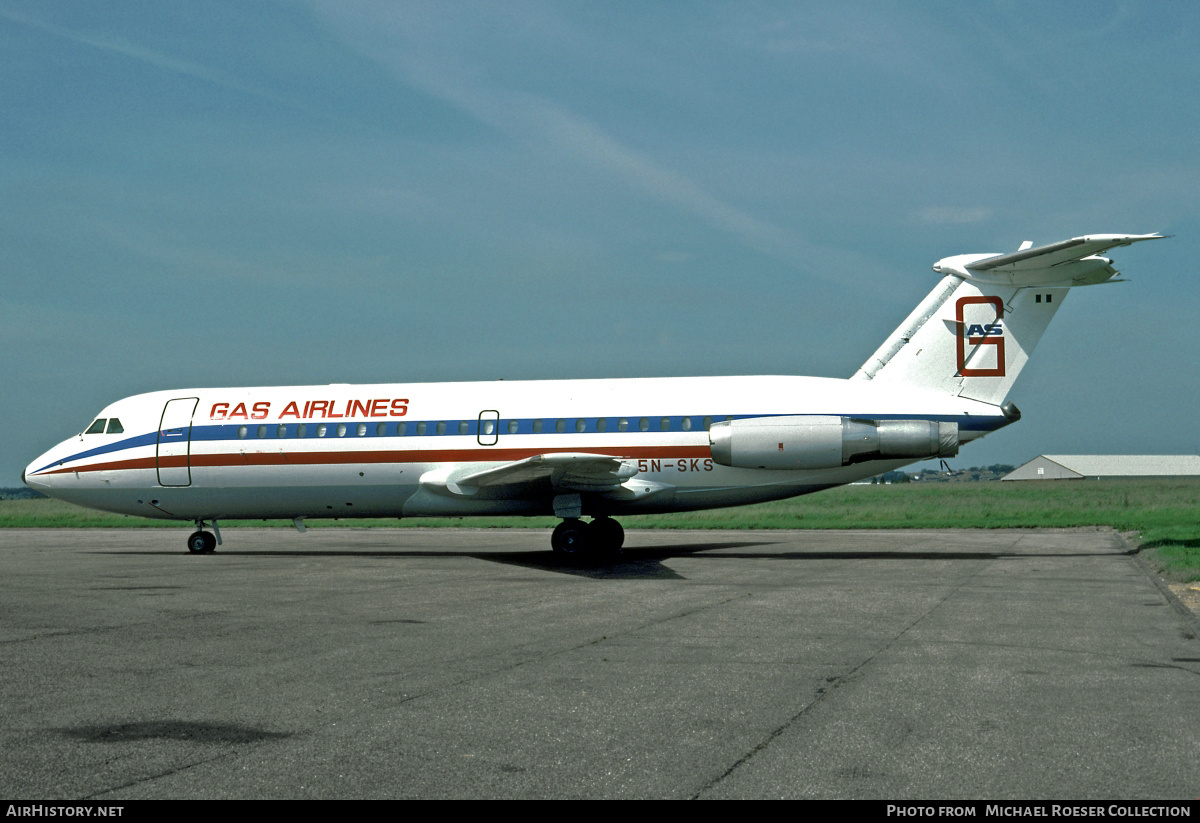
488 427
98 426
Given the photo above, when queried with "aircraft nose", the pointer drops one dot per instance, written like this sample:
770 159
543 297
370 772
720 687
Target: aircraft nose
29 476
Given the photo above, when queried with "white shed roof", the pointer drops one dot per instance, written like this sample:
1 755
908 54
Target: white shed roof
1125 465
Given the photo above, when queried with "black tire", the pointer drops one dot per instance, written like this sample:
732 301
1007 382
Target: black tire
606 534
570 537
198 542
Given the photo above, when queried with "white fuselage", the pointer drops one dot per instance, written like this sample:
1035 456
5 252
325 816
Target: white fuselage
385 450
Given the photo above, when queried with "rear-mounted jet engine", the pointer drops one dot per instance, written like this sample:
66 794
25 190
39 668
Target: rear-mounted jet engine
820 442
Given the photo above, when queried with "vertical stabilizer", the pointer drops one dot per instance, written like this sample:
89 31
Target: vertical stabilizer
972 334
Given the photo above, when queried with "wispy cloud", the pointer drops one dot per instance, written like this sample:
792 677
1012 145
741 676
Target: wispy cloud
166 62
424 56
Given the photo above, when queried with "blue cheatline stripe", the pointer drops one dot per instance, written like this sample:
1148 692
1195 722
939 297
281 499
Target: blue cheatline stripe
128 443
392 428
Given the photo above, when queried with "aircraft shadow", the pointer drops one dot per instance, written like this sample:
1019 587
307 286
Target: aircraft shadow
647 563
644 564
637 564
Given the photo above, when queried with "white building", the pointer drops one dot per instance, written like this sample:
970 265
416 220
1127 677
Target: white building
1095 466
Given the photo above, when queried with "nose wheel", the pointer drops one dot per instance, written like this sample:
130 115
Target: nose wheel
575 539
202 542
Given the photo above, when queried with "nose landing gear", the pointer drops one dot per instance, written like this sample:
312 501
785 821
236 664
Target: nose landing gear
202 542
575 539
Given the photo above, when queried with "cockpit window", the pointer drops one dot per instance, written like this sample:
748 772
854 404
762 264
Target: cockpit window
97 427
115 427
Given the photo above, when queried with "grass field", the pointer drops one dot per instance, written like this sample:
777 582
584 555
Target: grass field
1164 511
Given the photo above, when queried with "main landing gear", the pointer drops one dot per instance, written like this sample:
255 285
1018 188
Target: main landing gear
576 539
202 542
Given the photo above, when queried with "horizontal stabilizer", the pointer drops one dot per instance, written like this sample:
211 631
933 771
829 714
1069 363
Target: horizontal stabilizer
1074 262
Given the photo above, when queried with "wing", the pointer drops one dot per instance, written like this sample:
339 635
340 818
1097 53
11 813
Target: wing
560 479
566 472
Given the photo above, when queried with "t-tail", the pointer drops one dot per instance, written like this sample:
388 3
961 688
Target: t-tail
974 332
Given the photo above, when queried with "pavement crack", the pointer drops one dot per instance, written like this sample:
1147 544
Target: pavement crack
159 775
833 684
567 650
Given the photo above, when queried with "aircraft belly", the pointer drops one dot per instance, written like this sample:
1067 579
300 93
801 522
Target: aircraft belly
427 503
266 502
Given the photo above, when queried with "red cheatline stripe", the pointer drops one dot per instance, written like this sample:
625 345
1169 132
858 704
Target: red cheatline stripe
480 455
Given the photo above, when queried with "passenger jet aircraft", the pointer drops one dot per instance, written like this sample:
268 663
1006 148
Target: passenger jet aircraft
576 448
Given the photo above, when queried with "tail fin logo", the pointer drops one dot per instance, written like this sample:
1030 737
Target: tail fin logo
981 330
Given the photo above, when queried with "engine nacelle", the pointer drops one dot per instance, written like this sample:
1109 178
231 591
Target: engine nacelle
821 442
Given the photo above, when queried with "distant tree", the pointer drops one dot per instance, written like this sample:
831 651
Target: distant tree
20 494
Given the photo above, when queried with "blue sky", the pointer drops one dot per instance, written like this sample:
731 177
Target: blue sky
232 193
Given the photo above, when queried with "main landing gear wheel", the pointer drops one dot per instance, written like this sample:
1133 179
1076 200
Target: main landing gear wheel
606 535
570 537
202 543
575 539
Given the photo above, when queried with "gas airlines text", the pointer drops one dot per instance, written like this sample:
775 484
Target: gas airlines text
325 409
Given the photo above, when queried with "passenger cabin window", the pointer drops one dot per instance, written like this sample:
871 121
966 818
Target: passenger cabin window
115 427
97 427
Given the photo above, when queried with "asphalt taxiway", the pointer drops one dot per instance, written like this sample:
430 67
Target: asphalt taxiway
471 663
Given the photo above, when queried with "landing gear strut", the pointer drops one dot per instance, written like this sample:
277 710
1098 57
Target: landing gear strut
202 542
574 538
